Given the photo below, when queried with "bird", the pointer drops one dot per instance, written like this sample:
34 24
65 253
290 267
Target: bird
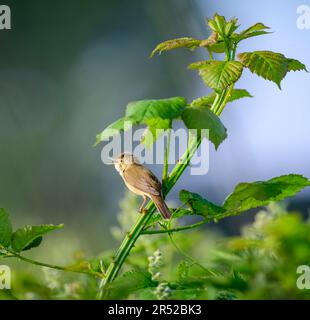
141 181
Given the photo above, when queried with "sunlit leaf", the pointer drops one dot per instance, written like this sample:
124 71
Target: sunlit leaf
207 101
255 194
112 130
267 64
218 74
156 114
295 65
253 31
140 112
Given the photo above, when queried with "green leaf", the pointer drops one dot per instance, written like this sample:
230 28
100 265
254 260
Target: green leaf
253 31
218 24
130 282
204 102
239 94
199 205
31 236
221 26
255 194
207 101
156 114
295 65
168 45
195 118
213 43
143 111
112 130
155 130
267 64
5 228
219 74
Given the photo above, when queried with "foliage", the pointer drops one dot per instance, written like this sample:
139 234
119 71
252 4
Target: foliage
262 260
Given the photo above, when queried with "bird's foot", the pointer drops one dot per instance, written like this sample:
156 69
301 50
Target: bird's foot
143 210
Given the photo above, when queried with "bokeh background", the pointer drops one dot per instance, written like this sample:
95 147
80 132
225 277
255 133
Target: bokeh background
68 69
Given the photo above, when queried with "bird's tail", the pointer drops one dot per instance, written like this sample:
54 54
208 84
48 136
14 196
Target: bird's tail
161 206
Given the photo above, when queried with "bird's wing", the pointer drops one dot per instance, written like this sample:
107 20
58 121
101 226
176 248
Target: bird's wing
142 179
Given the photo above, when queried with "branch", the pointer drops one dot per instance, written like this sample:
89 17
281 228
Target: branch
51 266
177 229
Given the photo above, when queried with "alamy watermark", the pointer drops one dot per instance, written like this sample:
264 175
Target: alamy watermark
303 281
180 140
303 20
5 277
5 17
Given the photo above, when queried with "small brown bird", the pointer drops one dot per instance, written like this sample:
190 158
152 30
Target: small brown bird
141 181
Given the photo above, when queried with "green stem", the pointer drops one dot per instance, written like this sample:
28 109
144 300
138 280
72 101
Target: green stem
142 221
51 266
138 228
177 229
225 99
166 160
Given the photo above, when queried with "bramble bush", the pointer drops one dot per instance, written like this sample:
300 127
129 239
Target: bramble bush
261 263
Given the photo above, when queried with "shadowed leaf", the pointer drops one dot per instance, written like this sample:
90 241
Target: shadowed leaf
31 236
198 118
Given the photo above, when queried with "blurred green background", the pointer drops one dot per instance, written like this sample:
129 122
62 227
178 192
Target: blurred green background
68 69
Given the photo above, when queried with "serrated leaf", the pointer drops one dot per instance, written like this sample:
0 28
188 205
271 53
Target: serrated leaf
239 94
199 64
218 24
253 31
130 282
140 112
267 64
112 130
198 118
185 42
295 65
255 194
29 236
219 74
199 205
5 228
207 101
153 113
221 26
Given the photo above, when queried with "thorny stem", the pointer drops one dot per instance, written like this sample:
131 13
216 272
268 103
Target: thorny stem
138 228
